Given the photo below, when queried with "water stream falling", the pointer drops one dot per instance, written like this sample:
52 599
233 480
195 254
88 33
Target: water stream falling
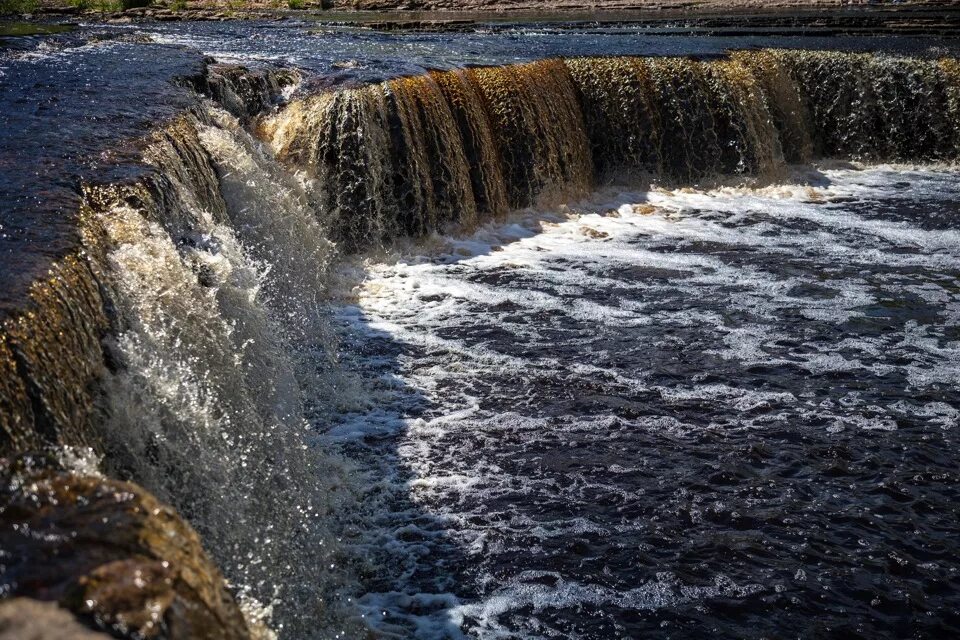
413 367
205 406
548 131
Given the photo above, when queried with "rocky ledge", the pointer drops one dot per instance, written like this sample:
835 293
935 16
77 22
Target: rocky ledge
108 555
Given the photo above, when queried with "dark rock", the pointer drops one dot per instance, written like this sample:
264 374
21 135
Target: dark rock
57 11
112 554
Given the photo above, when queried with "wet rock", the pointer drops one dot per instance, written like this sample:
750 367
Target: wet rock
246 92
57 11
26 619
110 553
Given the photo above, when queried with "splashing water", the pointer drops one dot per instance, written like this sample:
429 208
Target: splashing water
648 413
205 406
666 411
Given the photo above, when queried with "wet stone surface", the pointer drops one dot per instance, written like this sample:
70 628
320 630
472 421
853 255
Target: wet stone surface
108 552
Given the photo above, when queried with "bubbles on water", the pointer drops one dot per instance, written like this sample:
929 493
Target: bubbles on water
655 418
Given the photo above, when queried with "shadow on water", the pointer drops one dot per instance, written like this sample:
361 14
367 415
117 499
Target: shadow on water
411 572
712 496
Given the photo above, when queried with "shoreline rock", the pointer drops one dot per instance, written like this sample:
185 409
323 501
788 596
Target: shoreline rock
111 554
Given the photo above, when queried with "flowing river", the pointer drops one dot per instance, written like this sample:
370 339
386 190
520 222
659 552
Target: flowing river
515 332
662 412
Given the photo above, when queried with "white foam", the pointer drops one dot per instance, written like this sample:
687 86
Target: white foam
781 278
523 595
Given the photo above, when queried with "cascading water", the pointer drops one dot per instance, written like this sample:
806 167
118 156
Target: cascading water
217 284
410 155
507 366
220 374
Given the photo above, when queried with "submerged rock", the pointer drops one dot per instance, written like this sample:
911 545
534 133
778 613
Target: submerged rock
109 552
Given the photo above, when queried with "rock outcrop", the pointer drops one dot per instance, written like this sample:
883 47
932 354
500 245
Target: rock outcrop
111 554
26 619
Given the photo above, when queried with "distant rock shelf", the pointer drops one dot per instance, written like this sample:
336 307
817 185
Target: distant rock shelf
840 16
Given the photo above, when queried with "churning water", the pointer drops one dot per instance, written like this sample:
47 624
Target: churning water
667 414
662 412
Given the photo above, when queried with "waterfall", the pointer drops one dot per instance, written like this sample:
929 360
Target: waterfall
528 134
215 272
51 356
186 342
538 130
476 132
386 159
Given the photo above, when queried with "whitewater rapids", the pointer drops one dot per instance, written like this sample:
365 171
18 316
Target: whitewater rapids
663 411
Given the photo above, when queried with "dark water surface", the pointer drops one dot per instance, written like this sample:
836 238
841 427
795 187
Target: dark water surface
71 106
729 414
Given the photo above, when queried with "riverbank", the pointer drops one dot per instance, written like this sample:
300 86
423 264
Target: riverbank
903 17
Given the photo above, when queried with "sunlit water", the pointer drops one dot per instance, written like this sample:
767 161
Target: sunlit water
667 414
658 413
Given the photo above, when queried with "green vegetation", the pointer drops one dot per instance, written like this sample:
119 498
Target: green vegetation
296 4
17 6
31 29
108 6
178 5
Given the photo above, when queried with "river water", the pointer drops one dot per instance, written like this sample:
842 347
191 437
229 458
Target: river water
651 413
73 104
668 413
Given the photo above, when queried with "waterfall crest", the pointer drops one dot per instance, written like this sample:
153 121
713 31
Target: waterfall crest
534 133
